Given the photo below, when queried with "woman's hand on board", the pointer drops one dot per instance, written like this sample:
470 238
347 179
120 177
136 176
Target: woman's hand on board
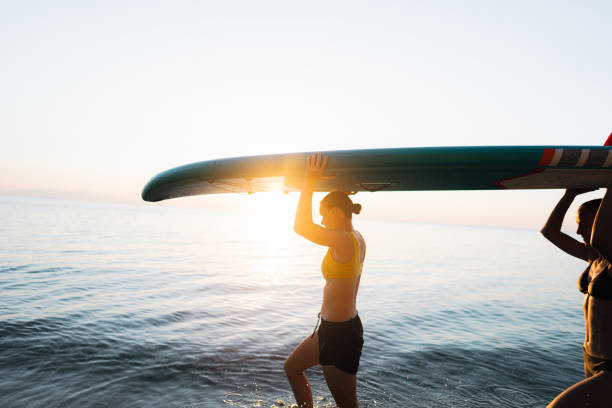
315 167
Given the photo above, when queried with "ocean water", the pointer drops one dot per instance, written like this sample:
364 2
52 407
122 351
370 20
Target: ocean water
107 305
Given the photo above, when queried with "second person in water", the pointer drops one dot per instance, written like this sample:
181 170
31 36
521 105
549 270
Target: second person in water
594 219
337 343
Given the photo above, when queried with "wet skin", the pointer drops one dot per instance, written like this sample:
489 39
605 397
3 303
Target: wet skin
597 312
340 295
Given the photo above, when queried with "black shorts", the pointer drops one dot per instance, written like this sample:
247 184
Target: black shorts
340 344
595 365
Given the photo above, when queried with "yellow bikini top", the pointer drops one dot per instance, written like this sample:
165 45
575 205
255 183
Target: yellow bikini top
332 269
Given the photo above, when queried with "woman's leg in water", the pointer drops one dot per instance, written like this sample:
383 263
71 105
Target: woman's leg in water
343 386
593 392
305 355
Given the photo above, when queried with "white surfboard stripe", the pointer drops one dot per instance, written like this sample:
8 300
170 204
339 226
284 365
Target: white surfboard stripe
608 161
556 157
584 155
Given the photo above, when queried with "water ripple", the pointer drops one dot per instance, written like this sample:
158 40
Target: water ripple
116 306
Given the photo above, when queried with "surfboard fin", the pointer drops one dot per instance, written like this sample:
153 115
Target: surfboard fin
609 141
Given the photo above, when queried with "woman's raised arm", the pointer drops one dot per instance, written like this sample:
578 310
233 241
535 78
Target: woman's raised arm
303 224
552 228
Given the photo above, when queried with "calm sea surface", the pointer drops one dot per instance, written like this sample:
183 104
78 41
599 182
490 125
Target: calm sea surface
138 306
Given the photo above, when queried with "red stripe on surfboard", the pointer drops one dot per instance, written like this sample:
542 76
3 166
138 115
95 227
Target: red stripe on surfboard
609 141
499 185
547 157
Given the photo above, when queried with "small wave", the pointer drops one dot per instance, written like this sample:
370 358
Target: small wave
464 377
52 270
170 318
15 268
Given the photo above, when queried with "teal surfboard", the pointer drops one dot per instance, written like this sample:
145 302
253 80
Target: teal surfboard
397 169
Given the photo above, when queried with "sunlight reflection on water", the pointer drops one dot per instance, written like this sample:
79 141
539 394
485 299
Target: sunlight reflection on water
144 305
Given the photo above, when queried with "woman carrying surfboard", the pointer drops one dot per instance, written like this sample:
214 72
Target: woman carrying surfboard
337 343
594 220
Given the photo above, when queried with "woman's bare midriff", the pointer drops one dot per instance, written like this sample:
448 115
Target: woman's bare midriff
598 321
339 299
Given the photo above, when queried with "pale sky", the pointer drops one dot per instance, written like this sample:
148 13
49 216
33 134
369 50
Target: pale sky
98 97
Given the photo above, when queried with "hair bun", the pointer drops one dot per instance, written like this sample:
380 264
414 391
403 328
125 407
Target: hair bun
356 208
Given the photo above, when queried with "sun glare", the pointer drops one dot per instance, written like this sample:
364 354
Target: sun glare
274 209
272 216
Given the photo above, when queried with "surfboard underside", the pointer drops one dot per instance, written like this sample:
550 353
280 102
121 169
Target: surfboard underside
401 169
